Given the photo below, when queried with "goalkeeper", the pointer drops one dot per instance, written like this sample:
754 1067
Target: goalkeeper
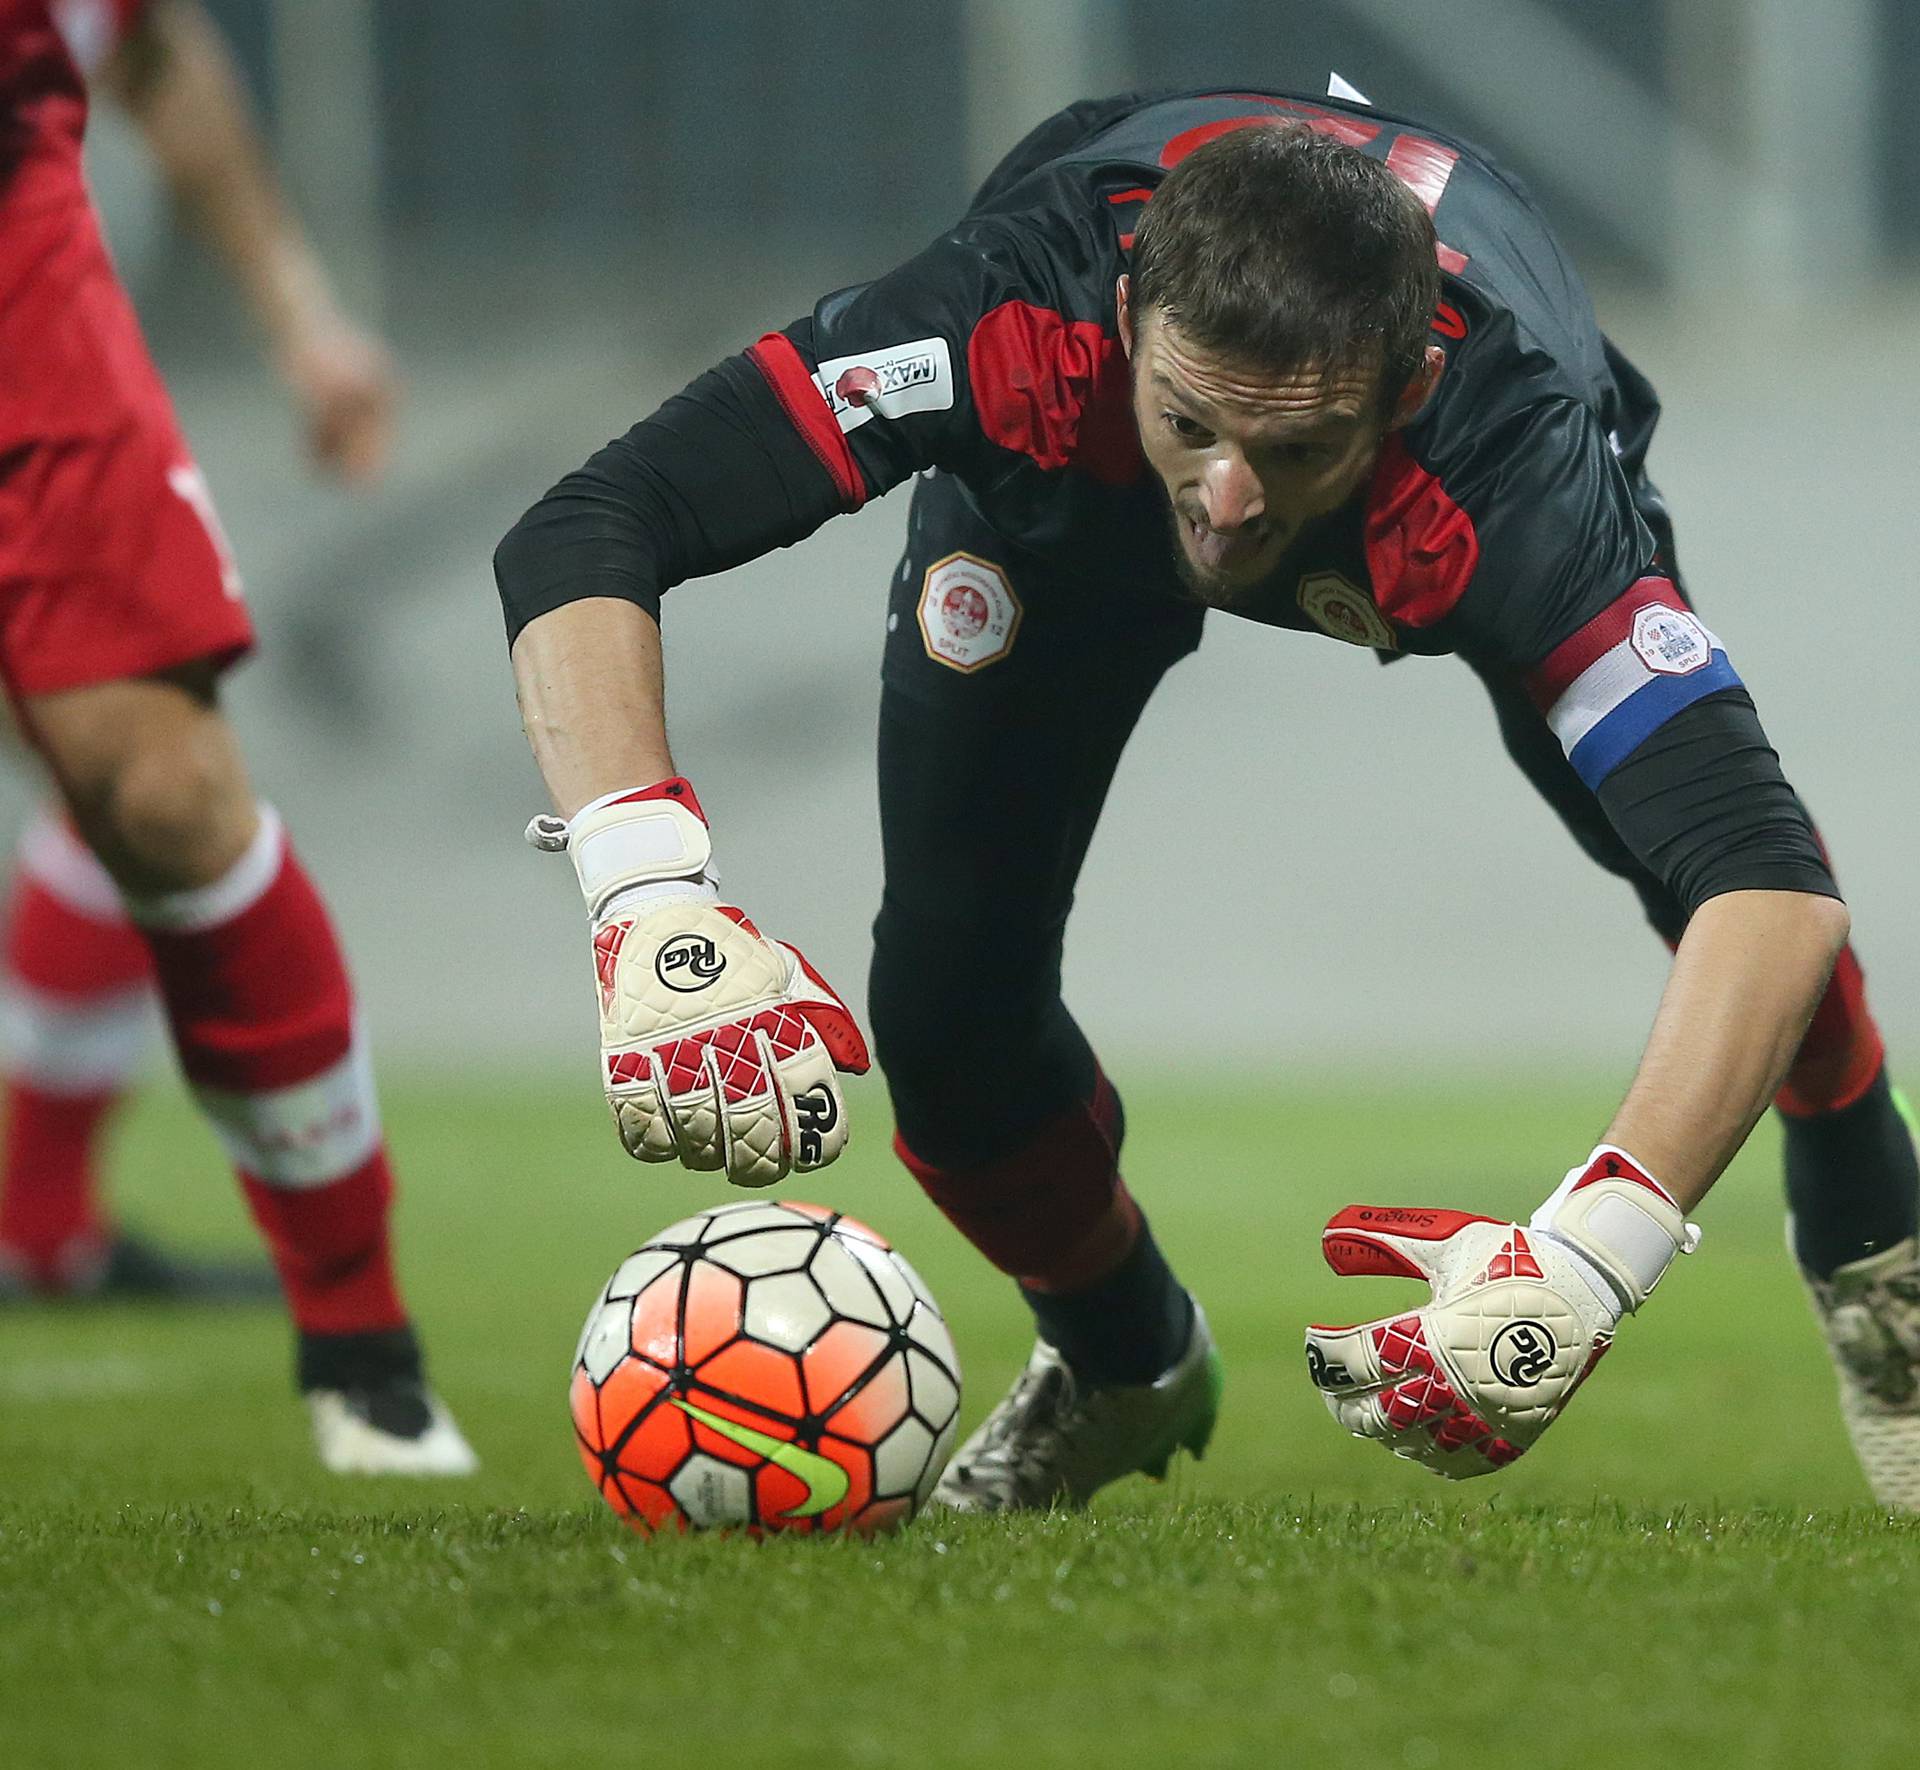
1286 360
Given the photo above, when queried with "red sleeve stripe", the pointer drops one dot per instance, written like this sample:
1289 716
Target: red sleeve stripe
1422 548
1139 194
1548 680
806 408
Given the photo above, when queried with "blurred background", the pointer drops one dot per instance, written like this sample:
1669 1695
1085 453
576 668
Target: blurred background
560 210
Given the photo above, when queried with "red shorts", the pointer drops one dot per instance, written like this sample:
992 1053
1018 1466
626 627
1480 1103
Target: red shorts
112 563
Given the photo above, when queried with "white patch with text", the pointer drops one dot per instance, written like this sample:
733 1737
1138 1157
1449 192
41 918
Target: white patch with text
902 378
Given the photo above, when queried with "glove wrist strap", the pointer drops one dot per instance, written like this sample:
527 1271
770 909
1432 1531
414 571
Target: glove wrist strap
1620 1221
626 842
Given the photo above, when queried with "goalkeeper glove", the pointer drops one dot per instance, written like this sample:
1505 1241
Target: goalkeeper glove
1519 1316
718 1046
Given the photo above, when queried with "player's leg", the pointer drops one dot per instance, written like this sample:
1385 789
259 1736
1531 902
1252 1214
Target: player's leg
261 1010
1008 699
1852 1179
119 604
77 1013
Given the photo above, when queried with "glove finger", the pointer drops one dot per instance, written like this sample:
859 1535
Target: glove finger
1391 1241
1418 1429
1371 1354
691 1096
1343 1360
1374 1417
1460 1447
1421 1402
633 1092
819 1110
1360 1415
752 1120
1431 1426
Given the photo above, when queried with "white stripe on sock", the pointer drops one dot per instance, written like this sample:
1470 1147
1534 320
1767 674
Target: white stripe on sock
308 1135
242 886
75 1045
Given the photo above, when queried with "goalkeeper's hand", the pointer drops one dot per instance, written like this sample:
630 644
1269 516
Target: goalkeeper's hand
1519 1316
718 1047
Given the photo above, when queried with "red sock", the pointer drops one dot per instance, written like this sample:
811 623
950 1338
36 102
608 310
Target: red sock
76 1007
51 1223
257 994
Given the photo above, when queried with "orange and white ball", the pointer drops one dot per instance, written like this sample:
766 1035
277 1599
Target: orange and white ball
763 1367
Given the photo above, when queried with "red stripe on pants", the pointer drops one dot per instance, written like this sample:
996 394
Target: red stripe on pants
1842 1051
1055 1214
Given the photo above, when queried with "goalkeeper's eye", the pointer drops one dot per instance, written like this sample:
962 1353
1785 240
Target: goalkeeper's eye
1194 435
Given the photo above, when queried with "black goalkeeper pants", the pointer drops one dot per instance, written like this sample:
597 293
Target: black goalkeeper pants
993 770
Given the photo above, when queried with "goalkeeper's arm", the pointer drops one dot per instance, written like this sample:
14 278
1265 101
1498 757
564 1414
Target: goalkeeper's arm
1747 977
1521 1314
718 1047
1704 805
714 478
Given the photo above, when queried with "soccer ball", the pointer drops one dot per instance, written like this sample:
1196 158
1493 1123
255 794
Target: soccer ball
765 1367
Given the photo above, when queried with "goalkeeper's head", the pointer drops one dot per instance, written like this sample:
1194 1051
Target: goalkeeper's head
1277 319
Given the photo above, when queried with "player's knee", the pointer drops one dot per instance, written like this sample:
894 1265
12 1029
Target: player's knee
174 811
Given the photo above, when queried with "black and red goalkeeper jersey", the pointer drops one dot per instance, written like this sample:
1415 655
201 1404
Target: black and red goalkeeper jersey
1505 523
1502 510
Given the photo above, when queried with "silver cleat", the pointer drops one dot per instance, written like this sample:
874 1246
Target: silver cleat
1870 1312
1052 1442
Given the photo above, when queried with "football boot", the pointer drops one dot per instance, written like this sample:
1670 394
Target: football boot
1056 1441
127 1268
372 1411
1869 1311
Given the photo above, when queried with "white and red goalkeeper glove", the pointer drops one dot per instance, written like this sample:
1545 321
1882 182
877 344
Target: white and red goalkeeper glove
1519 1316
718 1047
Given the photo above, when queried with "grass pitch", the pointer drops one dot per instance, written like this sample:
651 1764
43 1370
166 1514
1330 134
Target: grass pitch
1684 1571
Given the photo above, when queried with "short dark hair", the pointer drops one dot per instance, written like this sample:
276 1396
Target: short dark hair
1277 246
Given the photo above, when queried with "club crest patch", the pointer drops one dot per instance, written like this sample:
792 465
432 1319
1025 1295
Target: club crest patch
969 614
1343 611
1670 641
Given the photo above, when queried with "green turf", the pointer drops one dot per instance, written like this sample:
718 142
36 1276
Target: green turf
1684 1571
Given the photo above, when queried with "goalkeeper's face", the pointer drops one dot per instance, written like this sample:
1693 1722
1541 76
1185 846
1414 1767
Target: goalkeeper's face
1248 456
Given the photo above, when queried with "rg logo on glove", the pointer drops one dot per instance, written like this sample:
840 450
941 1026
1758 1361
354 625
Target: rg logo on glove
818 1114
1325 1373
688 962
1522 1353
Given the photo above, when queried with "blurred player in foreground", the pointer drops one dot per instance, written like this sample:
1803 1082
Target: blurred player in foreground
1303 363
119 609
77 1002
